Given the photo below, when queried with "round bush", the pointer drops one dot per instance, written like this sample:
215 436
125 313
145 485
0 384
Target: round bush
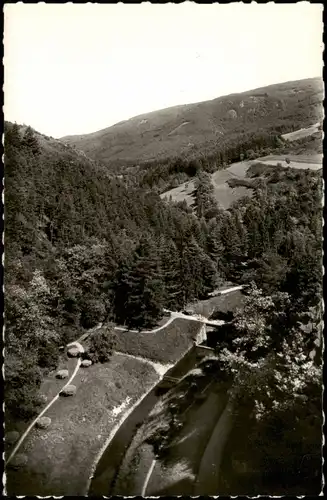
232 114
11 437
41 399
62 374
74 352
70 390
86 362
18 461
43 423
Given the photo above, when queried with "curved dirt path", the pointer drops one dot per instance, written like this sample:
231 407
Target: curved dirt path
174 315
30 427
122 329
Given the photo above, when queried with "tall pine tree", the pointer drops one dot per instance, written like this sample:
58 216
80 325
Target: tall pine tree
143 287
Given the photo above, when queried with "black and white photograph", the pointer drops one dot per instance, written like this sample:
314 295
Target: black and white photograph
163 249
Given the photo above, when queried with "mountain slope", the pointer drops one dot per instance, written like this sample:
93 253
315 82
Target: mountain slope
183 130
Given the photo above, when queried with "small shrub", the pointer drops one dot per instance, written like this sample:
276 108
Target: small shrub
11 437
62 374
41 399
232 183
86 363
74 352
43 423
70 390
18 461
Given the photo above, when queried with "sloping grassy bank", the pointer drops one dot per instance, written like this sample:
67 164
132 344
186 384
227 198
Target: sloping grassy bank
60 458
165 346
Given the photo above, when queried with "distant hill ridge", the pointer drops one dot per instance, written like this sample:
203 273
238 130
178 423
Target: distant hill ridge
185 129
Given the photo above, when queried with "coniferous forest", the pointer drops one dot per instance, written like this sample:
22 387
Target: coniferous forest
85 246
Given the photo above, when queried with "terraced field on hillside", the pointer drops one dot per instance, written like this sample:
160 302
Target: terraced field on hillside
226 195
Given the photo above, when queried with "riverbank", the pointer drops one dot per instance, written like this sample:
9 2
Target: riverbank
109 464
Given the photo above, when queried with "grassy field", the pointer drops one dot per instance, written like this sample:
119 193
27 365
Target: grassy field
164 346
60 458
294 164
183 192
301 133
225 194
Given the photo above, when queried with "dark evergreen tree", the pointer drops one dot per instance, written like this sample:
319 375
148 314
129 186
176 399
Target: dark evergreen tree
30 141
171 269
143 287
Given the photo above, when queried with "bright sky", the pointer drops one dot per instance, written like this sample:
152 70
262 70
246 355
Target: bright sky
78 68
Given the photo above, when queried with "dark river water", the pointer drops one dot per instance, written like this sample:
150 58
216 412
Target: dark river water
108 466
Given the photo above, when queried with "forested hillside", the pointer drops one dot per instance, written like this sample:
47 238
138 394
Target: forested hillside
83 247
217 128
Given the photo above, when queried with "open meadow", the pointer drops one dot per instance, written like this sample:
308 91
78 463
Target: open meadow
226 195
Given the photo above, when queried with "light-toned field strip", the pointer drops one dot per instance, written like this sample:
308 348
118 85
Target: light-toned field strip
302 132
